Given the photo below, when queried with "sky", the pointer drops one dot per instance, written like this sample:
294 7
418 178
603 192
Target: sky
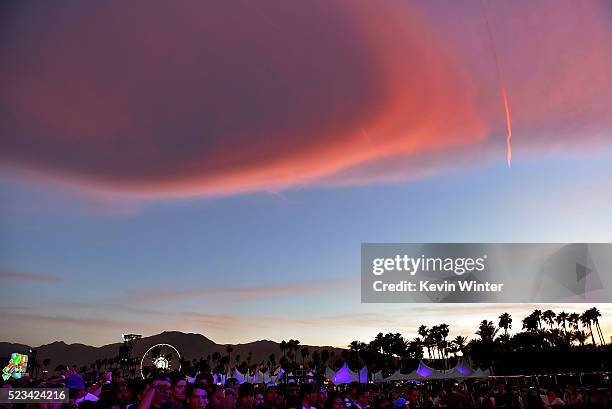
214 168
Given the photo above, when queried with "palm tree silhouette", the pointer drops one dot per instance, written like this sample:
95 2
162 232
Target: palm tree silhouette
304 352
586 321
574 320
594 315
562 320
487 331
505 322
549 317
229 348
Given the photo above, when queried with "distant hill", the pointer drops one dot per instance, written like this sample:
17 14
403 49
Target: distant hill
189 345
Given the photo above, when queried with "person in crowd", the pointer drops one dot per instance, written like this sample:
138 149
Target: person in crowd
292 403
308 396
177 392
217 397
232 383
76 390
503 398
412 395
259 399
440 399
485 398
271 397
334 401
281 398
246 396
138 388
231 392
573 397
205 379
120 395
363 399
321 399
157 394
551 399
533 399
401 403
196 396
351 400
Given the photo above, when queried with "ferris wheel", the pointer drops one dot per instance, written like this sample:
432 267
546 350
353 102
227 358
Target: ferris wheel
158 359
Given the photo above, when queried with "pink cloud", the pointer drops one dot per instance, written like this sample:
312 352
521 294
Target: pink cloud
218 99
44 278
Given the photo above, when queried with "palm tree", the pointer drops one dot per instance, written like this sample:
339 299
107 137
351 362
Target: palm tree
530 323
443 331
562 320
416 348
324 356
537 315
283 346
487 331
378 342
304 352
574 320
229 349
272 359
549 317
580 336
586 321
293 345
423 331
430 344
460 342
594 315
505 322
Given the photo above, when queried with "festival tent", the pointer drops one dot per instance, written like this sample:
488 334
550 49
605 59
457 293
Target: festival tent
345 375
239 376
377 377
396 376
424 372
479 373
278 377
361 376
461 370
258 377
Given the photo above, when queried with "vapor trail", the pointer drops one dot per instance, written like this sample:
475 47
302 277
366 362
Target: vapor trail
502 87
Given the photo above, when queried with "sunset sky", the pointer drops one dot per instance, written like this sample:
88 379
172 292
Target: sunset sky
214 167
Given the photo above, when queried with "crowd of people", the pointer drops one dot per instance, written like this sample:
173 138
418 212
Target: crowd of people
175 391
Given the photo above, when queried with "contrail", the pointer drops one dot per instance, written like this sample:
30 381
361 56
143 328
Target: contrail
502 87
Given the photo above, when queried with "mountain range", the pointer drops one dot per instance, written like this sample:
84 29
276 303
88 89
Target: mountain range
189 345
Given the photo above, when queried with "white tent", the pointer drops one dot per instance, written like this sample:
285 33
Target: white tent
396 376
461 370
424 372
345 375
239 376
479 373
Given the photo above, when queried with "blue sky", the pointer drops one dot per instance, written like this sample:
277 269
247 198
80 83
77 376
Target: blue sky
305 242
